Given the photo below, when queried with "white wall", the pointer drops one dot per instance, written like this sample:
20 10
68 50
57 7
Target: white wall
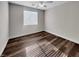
17 28
3 25
63 20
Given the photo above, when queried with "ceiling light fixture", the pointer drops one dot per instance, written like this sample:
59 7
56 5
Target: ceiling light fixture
41 3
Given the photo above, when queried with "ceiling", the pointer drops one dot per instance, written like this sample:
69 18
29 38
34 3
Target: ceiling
50 4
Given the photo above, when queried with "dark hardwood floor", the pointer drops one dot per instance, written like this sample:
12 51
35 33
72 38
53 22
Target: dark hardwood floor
41 44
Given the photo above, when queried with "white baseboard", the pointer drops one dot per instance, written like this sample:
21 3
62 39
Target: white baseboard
70 39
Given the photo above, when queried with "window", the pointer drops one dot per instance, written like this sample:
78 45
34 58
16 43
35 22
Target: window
30 18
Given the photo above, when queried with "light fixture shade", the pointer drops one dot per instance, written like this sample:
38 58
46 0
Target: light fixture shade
41 4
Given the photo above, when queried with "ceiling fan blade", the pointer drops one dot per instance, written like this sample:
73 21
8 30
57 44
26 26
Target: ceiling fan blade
49 1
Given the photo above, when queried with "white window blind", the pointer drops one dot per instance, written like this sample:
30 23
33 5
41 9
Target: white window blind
30 18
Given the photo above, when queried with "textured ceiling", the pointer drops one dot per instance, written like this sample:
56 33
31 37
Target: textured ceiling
29 4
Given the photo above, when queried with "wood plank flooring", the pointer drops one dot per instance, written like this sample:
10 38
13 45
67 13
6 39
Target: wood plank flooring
41 44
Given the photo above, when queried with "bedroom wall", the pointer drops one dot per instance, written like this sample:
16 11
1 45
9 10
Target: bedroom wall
63 20
16 27
4 22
